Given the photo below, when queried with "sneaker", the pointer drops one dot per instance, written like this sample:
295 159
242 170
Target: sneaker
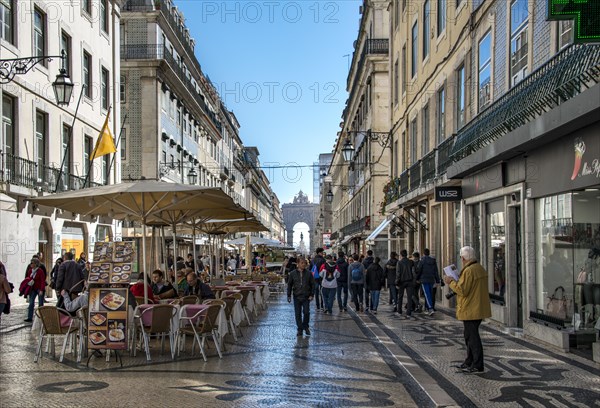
325 311
374 311
429 313
318 310
299 334
28 320
461 366
345 309
307 331
411 317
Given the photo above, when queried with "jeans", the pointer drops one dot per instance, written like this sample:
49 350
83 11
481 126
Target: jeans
375 299
32 296
357 294
302 312
318 296
409 287
342 287
473 342
328 297
393 294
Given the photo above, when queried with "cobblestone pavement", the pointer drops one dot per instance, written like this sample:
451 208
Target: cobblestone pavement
351 359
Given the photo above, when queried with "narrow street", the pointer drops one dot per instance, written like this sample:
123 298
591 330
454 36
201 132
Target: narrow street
350 360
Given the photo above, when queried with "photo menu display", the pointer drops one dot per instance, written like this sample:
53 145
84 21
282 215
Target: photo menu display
112 263
107 320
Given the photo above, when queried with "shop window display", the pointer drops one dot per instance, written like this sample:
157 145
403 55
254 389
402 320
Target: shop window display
568 257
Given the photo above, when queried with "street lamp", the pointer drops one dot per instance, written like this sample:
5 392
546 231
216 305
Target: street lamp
164 168
63 86
348 150
380 137
329 196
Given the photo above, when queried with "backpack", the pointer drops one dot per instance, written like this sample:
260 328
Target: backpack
357 274
315 272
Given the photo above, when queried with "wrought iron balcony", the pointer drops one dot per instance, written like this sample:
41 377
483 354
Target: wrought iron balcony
26 173
357 226
428 166
564 76
142 51
443 154
415 175
377 46
404 182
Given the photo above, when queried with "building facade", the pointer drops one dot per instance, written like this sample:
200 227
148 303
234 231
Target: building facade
356 185
44 149
482 109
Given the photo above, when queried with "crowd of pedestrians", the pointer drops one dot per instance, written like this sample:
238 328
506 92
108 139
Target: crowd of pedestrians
362 278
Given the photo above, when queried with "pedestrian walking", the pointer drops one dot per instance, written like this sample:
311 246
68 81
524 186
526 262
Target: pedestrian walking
417 307
374 281
366 263
5 289
390 269
356 281
405 281
330 274
472 306
37 283
428 275
301 284
318 263
342 282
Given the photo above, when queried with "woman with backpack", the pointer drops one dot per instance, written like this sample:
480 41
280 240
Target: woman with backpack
374 281
329 273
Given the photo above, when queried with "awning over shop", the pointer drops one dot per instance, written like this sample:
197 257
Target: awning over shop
349 238
378 230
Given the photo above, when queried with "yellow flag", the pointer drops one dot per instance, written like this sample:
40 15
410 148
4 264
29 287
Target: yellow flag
105 143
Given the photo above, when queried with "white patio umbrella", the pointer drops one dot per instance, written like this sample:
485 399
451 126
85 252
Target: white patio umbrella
144 201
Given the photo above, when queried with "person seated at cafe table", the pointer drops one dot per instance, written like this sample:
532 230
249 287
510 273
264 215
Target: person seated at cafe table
160 288
181 281
137 289
197 287
77 303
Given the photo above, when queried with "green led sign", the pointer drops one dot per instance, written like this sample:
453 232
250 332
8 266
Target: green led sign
585 13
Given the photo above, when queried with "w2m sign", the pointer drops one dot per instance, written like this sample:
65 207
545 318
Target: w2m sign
586 14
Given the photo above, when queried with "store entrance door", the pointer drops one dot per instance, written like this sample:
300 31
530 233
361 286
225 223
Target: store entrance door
516 254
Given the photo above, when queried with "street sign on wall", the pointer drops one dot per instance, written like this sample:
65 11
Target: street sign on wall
584 13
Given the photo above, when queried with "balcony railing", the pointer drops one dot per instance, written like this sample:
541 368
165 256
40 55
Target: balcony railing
357 226
443 154
142 51
428 166
26 173
559 79
415 175
404 182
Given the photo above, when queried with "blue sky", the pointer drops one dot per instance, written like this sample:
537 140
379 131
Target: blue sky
281 66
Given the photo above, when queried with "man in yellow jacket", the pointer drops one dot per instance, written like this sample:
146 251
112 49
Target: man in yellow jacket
472 306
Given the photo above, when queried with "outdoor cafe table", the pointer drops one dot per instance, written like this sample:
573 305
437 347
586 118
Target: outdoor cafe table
238 312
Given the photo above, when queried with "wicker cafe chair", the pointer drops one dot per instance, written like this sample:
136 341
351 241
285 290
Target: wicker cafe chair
201 324
55 322
245 294
139 300
223 305
161 323
190 300
229 305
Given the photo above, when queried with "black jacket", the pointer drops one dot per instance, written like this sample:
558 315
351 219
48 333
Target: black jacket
404 271
342 266
69 277
427 270
375 277
368 261
390 270
301 288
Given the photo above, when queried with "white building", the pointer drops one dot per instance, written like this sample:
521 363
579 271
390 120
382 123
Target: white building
36 135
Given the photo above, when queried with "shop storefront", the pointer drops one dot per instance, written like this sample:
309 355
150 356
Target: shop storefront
566 192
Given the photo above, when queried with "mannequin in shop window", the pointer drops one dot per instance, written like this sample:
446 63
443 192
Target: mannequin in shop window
499 271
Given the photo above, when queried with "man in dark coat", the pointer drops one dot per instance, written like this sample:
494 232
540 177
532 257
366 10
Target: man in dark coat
301 284
342 281
69 277
318 262
390 269
405 281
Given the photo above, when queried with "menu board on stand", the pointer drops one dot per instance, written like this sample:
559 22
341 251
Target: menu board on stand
109 280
